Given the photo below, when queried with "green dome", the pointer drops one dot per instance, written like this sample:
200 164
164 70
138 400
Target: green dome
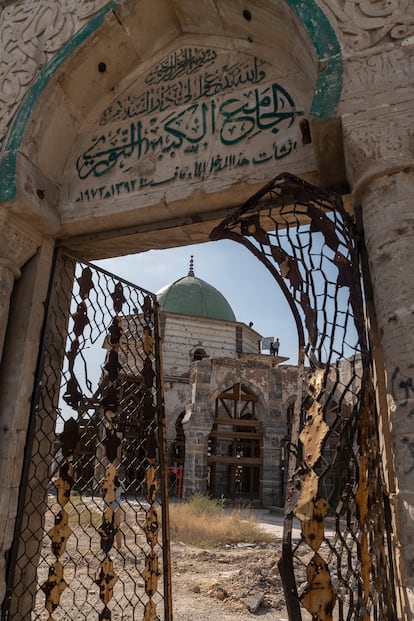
192 296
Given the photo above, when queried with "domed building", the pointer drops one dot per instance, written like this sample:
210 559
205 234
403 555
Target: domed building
226 402
192 296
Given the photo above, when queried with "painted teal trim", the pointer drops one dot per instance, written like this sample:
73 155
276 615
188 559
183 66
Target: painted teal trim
8 162
327 91
328 51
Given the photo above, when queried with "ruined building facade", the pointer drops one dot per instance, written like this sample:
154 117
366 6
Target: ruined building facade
226 401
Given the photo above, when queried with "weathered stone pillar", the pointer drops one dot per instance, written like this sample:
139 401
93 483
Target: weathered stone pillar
277 429
16 247
8 272
39 446
381 170
271 471
20 352
196 449
197 425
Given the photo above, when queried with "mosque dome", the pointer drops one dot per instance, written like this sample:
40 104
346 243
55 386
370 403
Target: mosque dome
192 296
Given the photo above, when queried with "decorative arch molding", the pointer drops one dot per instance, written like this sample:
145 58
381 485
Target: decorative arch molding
198 353
30 41
328 86
326 95
30 100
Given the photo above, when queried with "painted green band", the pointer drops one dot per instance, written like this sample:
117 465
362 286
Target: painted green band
8 162
328 51
327 90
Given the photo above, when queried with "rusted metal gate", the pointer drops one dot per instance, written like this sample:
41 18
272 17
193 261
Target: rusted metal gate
341 567
91 540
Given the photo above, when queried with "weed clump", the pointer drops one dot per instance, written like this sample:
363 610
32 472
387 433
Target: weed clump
206 523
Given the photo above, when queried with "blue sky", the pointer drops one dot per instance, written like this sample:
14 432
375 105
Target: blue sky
232 269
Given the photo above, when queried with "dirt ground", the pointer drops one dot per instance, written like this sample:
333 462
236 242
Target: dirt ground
227 584
230 583
238 583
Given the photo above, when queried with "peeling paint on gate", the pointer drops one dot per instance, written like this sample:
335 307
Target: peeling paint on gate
319 595
308 242
113 434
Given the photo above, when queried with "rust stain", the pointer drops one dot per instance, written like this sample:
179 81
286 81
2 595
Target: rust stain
151 573
150 613
64 484
313 529
105 615
313 434
60 533
152 526
54 587
316 382
319 596
152 484
305 503
366 566
107 530
108 484
362 492
147 340
106 581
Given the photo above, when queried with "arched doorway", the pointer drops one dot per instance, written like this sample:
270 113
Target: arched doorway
176 460
235 459
177 449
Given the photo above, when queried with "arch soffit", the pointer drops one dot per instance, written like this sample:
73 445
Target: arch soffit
250 388
52 89
174 416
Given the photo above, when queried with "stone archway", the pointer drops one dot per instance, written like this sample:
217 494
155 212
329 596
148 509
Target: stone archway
47 197
40 206
109 82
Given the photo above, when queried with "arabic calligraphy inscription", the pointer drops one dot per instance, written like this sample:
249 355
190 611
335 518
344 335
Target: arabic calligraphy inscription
192 116
163 90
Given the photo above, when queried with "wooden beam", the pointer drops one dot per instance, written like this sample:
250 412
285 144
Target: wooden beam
237 422
236 397
240 461
243 435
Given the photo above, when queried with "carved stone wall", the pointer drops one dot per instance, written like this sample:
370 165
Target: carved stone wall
370 25
29 38
375 36
376 142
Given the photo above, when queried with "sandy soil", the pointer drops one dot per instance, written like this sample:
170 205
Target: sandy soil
231 583
221 585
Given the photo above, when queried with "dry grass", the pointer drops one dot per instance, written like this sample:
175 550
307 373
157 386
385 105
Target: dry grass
201 522
204 523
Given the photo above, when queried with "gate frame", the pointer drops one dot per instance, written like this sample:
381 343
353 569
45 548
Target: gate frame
59 255
27 459
319 596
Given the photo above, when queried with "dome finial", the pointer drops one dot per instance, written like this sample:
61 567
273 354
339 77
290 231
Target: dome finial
191 270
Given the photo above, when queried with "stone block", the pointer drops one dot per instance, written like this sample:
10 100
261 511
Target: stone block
253 602
5 499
